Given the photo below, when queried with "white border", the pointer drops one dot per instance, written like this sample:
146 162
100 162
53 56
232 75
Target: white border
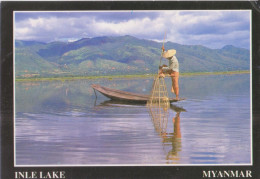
169 165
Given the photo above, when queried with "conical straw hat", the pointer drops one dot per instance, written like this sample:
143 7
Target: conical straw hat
169 53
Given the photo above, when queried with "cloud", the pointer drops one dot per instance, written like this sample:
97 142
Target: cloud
213 29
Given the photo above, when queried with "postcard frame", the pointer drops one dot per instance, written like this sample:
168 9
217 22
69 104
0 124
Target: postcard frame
7 95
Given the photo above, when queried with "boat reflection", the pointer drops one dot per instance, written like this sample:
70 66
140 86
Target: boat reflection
116 103
171 140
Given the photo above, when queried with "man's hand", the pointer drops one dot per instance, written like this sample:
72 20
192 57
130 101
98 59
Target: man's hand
163 49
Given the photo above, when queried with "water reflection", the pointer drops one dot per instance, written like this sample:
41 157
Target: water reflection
58 123
171 140
160 115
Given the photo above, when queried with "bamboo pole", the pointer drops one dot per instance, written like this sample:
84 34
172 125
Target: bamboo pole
159 93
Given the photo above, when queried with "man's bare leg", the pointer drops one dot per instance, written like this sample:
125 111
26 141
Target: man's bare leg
175 87
172 90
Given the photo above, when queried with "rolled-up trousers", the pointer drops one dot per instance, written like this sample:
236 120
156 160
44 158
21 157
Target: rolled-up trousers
175 80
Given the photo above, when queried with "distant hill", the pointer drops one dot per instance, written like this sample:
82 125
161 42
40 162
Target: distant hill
119 55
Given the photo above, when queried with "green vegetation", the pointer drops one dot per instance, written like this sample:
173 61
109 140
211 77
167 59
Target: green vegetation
217 73
112 56
111 77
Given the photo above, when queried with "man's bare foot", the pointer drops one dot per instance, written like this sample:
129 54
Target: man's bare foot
172 90
177 98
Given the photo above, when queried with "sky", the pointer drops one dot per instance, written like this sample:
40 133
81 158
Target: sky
213 29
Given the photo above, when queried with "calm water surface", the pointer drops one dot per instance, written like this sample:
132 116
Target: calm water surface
62 123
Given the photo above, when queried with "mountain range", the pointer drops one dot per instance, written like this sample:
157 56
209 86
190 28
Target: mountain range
119 55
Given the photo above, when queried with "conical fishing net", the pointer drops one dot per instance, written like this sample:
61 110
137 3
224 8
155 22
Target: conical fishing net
159 94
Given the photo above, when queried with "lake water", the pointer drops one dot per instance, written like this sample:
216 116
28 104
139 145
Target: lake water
62 123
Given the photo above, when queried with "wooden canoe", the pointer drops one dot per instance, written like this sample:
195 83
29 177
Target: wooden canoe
119 95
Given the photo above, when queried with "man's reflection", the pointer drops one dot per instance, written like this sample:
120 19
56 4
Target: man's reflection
172 139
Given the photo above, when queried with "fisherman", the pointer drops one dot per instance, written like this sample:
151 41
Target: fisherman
172 69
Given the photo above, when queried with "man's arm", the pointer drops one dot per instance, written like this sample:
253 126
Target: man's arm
160 67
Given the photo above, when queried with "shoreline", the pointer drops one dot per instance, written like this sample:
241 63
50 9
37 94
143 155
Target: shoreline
110 77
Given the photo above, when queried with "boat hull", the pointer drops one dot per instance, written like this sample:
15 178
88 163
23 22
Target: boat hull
119 95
